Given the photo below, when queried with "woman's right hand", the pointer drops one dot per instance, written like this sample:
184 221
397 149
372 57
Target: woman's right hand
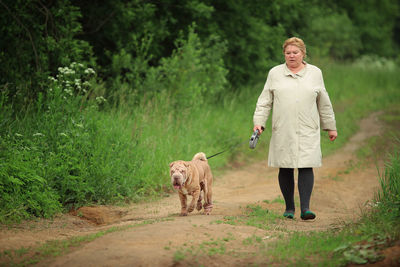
259 128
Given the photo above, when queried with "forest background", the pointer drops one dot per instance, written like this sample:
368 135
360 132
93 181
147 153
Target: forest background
97 99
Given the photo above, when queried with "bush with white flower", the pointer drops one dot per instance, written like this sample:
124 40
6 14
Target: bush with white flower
72 87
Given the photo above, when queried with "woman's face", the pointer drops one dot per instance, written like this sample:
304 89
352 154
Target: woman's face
293 56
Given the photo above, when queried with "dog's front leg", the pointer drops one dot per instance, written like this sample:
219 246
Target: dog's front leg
207 198
195 198
183 199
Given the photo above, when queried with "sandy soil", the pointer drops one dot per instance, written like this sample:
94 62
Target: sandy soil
340 192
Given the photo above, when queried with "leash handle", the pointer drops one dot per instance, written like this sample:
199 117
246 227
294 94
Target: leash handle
254 139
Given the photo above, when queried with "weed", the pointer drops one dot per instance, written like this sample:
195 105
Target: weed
358 254
210 248
254 216
179 256
279 200
252 240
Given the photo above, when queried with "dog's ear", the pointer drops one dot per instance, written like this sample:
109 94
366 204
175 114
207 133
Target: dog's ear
171 164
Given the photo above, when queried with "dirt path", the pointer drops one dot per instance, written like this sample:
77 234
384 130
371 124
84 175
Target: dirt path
338 196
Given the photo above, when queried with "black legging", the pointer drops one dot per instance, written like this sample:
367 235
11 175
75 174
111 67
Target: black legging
305 185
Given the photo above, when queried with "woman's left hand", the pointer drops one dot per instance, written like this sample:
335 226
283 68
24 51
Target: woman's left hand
332 135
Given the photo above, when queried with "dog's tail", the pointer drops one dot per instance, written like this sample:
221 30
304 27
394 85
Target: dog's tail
200 156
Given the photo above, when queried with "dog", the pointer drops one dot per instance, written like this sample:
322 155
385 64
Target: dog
192 178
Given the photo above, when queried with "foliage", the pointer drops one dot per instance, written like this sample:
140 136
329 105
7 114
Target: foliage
24 192
360 254
333 35
37 38
376 22
45 154
194 72
123 40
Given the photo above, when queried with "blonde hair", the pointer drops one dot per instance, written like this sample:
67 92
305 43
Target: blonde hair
297 42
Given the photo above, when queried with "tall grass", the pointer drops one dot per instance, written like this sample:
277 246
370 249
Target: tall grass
72 148
388 198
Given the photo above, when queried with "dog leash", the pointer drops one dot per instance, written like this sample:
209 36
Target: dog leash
252 144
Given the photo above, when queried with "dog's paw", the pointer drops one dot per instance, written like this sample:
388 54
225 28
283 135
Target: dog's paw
207 208
184 212
191 208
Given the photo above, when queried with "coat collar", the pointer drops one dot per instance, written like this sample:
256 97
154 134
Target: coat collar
301 73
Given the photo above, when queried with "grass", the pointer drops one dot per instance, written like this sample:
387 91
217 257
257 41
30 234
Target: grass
255 216
212 247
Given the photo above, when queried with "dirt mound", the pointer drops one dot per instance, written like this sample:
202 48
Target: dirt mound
100 215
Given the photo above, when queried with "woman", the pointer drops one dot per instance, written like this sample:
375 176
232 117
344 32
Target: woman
300 106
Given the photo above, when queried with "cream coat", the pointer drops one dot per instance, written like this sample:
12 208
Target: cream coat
300 108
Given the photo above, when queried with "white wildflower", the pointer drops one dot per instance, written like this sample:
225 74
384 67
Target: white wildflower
86 83
68 91
90 71
100 99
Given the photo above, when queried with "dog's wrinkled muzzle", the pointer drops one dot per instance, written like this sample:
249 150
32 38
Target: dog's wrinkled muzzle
177 181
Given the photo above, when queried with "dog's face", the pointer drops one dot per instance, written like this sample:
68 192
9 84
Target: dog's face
178 171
